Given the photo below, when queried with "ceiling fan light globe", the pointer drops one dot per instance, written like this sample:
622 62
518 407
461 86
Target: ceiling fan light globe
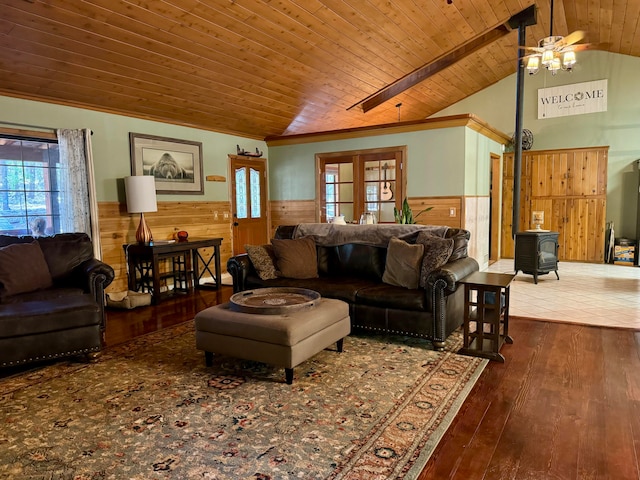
569 59
547 58
533 65
554 66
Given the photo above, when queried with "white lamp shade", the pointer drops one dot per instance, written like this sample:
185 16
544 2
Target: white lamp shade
141 194
533 64
547 57
569 59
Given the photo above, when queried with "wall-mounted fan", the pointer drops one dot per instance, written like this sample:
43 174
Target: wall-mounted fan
555 52
527 141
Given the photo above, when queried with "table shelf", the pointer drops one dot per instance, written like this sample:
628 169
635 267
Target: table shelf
486 314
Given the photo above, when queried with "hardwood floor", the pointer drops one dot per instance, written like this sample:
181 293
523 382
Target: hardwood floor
123 325
564 405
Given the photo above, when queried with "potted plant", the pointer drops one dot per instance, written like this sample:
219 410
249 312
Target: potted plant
405 215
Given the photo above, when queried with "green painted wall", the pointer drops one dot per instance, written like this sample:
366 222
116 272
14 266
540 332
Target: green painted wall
477 152
110 143
618 127
439 162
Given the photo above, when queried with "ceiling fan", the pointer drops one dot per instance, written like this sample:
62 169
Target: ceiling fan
555 52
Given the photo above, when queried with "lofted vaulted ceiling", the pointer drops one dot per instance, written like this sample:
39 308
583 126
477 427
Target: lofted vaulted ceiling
275 67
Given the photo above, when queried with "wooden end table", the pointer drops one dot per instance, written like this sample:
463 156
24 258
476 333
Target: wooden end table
486 314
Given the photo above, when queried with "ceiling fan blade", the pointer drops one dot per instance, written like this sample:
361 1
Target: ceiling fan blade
590 46
533 49
570 39
526 57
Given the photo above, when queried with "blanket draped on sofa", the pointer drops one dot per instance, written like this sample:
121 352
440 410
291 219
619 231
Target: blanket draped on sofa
329 234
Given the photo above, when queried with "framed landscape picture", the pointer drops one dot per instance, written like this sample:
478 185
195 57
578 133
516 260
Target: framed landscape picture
175 164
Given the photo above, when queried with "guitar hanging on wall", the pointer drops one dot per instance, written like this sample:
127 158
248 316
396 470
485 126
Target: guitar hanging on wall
385 189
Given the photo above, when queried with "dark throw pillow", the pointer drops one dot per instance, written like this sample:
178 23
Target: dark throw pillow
65 251
403 264
460 244
263 260
23 269
437 251
296 258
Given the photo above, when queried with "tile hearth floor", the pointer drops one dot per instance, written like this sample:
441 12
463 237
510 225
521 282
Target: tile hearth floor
587 293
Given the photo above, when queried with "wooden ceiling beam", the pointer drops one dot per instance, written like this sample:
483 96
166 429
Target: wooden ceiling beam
422 73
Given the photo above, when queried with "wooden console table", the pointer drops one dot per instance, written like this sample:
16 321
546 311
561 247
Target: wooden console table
143 260
486 314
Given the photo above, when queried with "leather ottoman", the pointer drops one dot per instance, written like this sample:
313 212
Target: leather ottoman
284 340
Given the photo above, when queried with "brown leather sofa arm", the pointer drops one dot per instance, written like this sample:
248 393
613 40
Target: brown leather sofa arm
239 267
448 276
98 273
443 282
97 276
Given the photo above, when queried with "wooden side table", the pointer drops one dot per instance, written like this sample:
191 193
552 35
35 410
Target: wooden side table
143 260
486 314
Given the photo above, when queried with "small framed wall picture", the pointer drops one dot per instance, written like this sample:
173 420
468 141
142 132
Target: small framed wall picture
175 164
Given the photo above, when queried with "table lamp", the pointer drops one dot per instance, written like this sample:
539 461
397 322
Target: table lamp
141 198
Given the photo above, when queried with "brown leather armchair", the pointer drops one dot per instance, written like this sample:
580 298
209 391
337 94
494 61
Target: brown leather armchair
64 314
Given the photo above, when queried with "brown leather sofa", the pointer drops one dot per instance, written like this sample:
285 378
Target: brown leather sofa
353 272
55 309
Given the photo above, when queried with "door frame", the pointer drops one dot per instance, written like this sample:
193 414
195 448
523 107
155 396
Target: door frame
264 197
496 202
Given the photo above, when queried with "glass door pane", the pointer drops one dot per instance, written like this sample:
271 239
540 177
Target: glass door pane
379 183
338 190
388 190
254 185
241 193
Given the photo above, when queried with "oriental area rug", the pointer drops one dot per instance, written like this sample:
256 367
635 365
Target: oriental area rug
151 409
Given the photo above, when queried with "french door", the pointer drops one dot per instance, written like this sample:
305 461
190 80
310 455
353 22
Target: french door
248 202
354 183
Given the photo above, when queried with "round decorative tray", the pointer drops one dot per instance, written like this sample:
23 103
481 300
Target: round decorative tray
273 301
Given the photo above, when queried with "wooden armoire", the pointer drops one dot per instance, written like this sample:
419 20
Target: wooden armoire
570 187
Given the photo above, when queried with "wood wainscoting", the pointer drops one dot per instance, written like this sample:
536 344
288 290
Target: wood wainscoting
291 212
199 219
447 211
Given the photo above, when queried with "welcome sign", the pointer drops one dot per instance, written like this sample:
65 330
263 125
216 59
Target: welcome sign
575 99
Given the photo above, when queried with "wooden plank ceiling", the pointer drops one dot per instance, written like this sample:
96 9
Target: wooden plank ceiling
274 67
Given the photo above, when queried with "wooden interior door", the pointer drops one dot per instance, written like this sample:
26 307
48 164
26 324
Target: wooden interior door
248 202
